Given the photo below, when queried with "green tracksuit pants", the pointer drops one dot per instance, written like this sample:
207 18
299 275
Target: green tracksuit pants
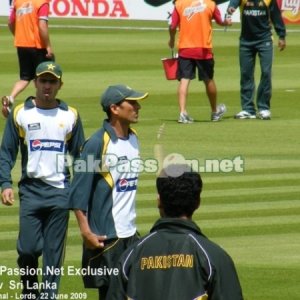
43 226
248 53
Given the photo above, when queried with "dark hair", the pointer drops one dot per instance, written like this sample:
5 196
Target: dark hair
108 112
179 195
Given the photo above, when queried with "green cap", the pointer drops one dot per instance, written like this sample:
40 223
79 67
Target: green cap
49 67
117 93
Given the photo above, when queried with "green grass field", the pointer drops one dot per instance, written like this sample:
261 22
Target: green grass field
254 214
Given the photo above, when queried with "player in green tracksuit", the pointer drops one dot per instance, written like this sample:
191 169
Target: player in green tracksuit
257 17
44 129
103 192
175 260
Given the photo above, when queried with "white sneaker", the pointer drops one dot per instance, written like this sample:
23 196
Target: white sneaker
264 114
221 110
185 119
244 115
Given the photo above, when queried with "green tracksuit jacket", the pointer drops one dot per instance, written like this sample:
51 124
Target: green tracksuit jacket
176 261
107 194
257 17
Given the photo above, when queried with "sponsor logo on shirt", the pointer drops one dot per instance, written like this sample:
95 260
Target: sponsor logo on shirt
46 145
26 8
126 184
34 126
197 7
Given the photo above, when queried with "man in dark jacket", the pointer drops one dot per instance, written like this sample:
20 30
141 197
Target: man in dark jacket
175 260
257 18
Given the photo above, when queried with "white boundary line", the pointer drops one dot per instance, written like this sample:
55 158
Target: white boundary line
136 28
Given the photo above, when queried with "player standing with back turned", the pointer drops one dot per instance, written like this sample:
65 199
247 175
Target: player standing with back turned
194 19
176 261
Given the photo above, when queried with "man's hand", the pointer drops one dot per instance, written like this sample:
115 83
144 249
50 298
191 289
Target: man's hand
281 44
8 197
93 241
230 10
50 54
227 21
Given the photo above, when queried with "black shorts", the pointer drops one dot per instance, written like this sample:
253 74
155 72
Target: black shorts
29 59
98 262
187 68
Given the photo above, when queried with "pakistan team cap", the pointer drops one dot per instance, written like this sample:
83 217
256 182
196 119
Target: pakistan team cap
49 67
116 93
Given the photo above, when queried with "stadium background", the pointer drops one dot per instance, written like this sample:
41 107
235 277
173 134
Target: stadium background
139 9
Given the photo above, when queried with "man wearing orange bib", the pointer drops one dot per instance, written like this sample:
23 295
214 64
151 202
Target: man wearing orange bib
194 19
28 22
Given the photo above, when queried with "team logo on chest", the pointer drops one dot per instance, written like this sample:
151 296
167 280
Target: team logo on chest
126 184
46 145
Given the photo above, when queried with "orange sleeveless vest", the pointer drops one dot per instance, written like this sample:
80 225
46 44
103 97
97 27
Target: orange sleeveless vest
195 29
26 23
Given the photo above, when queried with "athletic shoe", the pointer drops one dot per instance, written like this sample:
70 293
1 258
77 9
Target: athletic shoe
185 119
264 114
7 103
221 110
244 115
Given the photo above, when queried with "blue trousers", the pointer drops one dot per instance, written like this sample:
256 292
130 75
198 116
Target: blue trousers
248 53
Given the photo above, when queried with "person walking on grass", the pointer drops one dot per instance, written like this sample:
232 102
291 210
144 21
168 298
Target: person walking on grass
194 19
44 129
28 22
